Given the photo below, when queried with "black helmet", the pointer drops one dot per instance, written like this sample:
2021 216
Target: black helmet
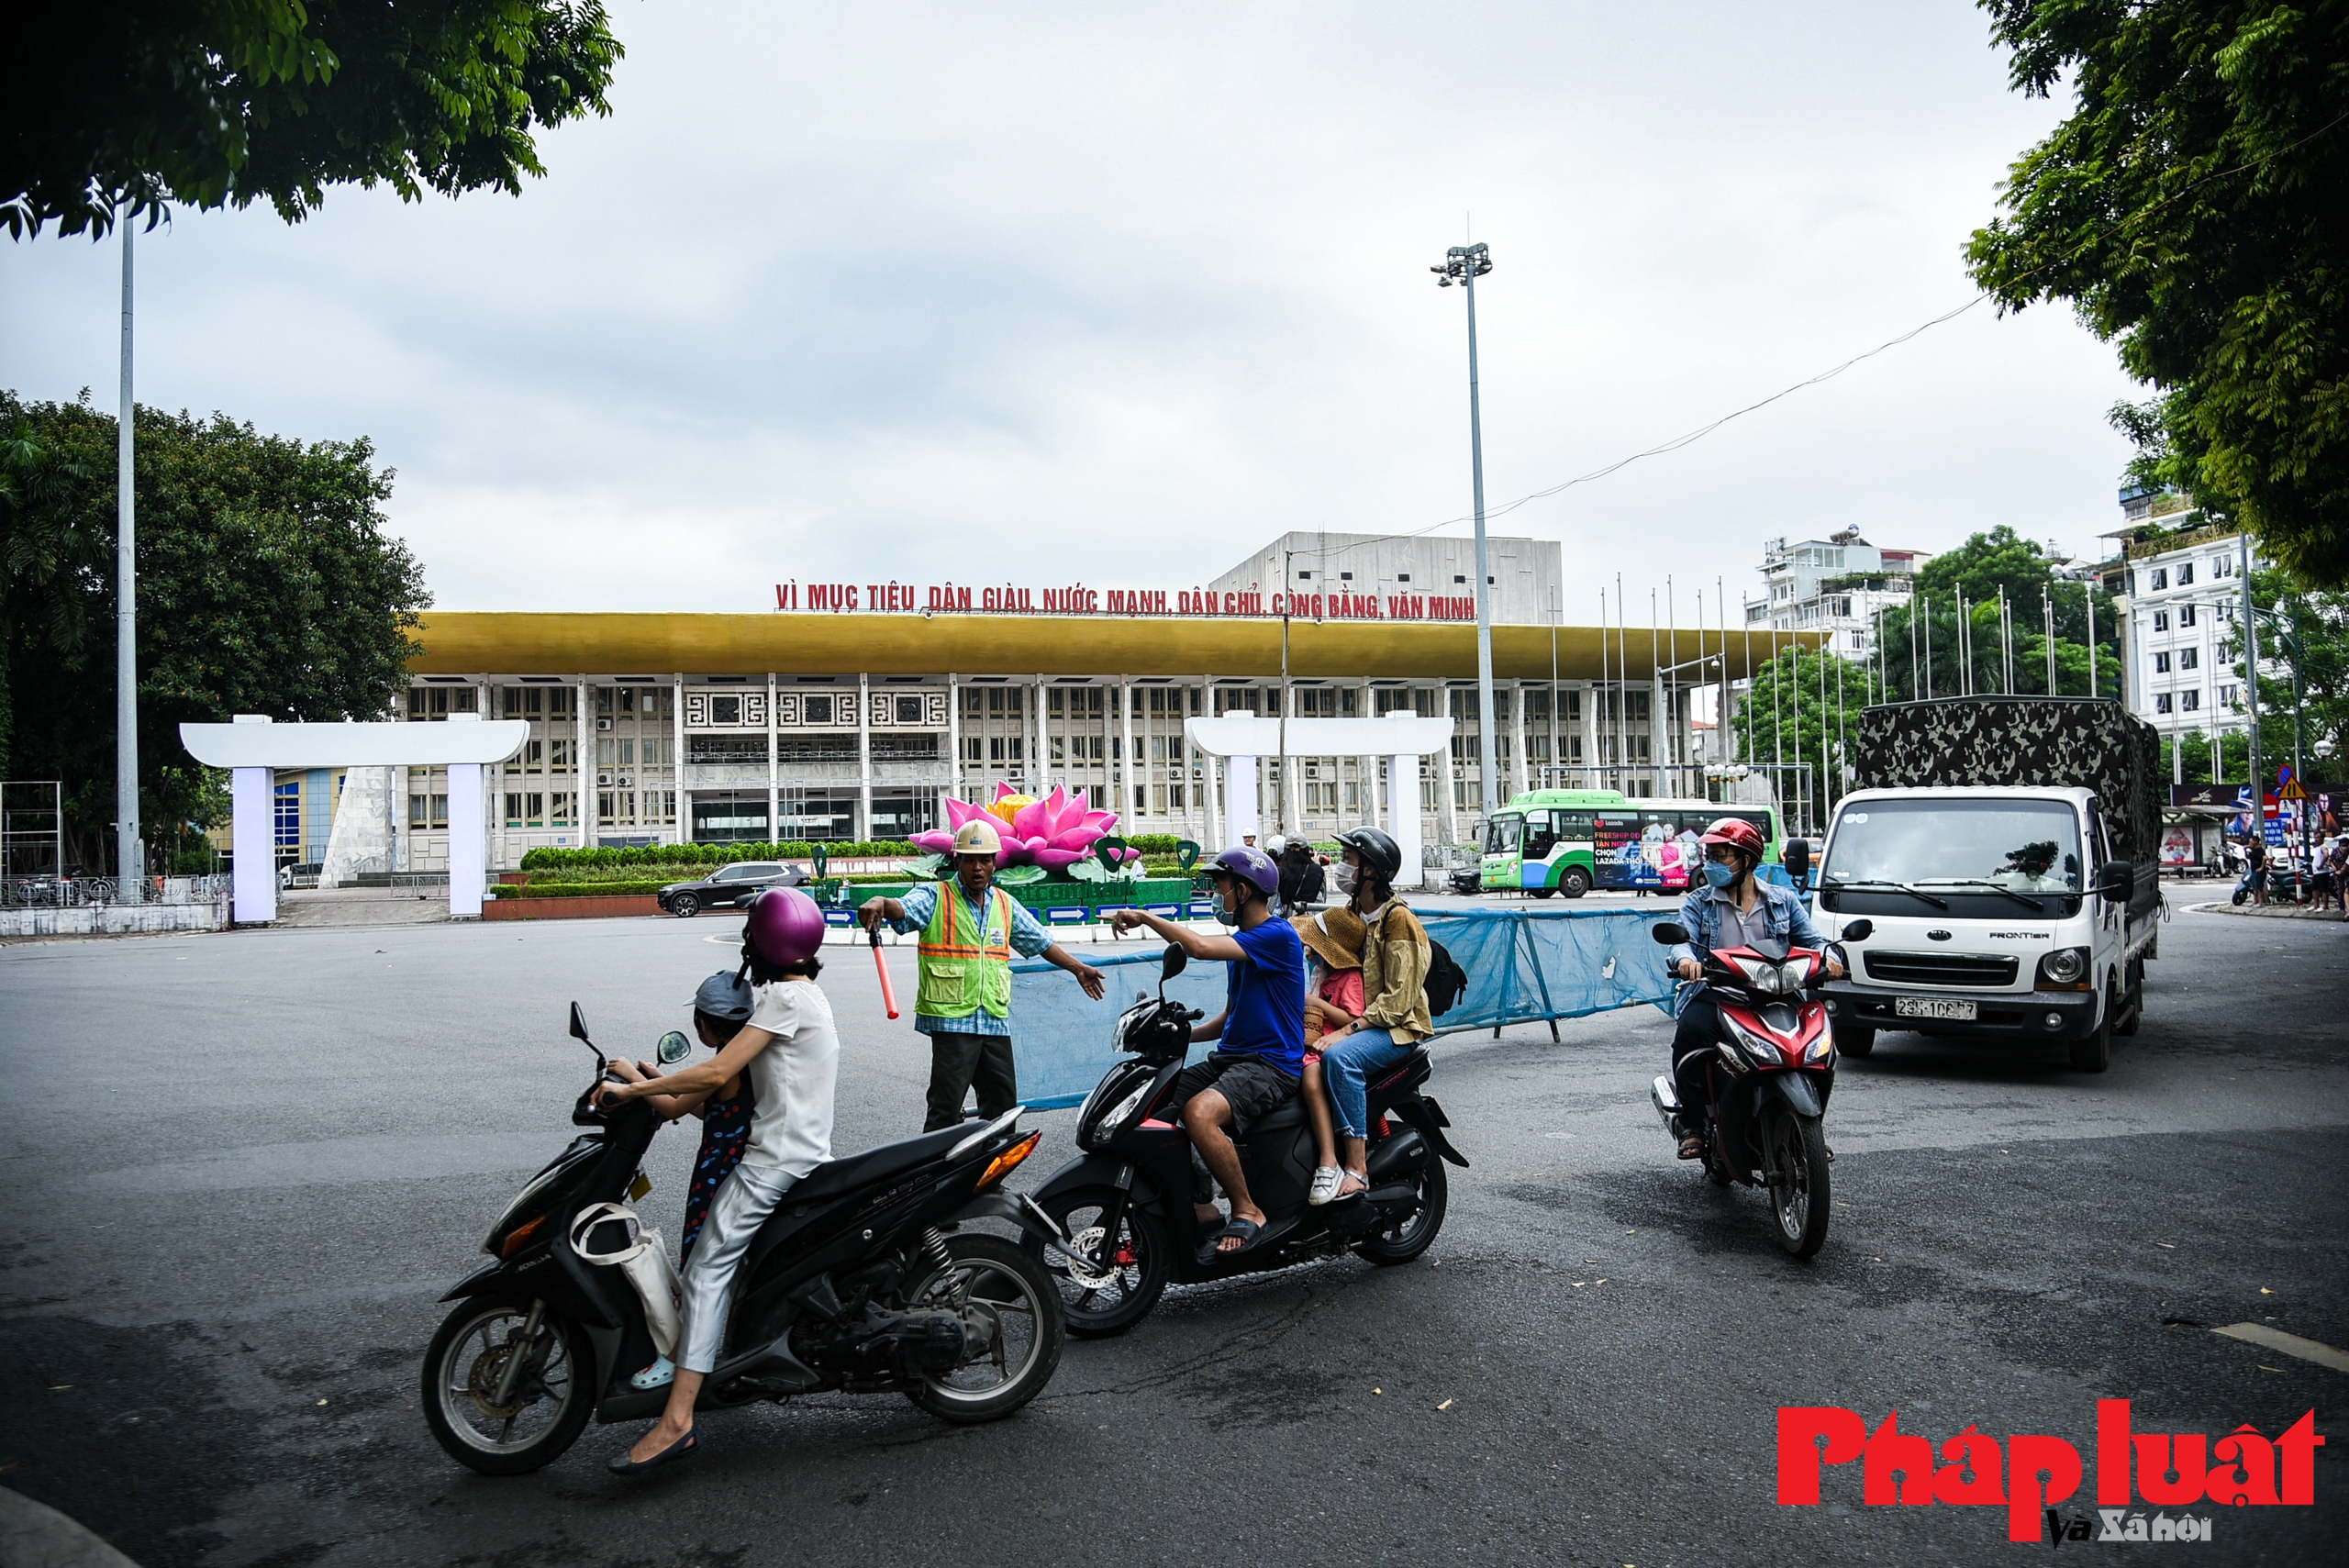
1377 849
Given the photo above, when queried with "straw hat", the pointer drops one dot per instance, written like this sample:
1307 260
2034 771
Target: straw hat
1335 936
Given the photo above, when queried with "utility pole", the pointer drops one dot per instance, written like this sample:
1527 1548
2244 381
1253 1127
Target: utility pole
130 860
2251 693
1280 797
1464 264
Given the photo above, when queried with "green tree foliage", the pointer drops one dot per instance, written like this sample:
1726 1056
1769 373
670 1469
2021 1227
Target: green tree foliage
1965 582
2195 207
2309 632
266 585
214 103
1800 701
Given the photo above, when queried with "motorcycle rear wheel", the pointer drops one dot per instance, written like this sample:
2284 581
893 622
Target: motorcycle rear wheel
993 1280
1800 1200
461 1371
1098 1303
1416 1233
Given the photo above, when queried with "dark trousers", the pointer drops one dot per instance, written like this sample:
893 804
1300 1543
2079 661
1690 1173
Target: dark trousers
959 1060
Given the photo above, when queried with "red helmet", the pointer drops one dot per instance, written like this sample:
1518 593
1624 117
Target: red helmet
1737 833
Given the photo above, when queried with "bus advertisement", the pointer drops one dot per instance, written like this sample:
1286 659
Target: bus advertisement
1570 841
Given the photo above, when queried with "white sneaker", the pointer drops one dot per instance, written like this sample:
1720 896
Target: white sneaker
660 1374
1326 1179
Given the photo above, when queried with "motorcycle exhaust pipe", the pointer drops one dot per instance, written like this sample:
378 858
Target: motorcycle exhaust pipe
1666 1100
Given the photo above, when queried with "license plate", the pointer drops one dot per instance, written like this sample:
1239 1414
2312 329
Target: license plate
644 1184
1934 1008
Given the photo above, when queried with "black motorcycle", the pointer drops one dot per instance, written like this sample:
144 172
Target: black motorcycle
853 1284
1123 1207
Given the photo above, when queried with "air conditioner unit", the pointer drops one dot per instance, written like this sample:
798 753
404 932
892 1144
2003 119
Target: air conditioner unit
626 782
604 780
603 723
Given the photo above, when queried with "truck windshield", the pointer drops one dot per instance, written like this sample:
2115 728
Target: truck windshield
2025 846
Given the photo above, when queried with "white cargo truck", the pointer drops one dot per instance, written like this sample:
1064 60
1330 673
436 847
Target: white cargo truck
1996 880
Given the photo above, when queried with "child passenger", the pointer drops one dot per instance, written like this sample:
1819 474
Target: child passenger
721 1006
1333 1001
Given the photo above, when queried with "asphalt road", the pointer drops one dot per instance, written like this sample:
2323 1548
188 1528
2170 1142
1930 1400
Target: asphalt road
242 1167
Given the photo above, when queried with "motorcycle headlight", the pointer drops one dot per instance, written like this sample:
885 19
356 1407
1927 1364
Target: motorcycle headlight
1092 1126
1763 1052
2064 965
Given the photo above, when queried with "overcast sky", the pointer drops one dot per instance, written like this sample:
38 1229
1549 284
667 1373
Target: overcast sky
1052 293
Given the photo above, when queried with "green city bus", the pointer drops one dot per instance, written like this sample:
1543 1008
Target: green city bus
1570 841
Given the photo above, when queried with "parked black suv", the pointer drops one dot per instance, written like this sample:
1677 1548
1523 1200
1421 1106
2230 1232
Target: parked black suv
728 887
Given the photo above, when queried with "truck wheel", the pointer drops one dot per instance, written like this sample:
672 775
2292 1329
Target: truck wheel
1852 1040
2134 1000
2092 1052
1575 883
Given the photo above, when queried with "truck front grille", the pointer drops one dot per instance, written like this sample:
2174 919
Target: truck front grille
1940 969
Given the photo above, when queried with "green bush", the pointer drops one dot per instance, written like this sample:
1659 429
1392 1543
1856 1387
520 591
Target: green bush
698 855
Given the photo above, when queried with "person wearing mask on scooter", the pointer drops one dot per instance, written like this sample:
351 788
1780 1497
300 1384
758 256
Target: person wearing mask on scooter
1395 1018
790 1052
970 928
1260 1035
1731 908
721 1006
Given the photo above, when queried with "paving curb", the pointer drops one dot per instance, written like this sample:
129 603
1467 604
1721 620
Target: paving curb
34 1535
2272 912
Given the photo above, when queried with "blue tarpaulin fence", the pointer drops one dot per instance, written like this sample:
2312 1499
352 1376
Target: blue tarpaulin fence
1523 966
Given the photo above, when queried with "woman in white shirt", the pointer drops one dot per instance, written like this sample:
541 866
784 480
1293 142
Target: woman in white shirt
792 1052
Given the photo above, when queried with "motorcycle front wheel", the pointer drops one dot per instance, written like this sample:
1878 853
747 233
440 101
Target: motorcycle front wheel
1800 1201
546 1406
1099 1300
1013 1305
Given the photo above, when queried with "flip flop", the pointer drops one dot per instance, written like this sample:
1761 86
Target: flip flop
1246 1229
683 1448
1344 1177
1326 1181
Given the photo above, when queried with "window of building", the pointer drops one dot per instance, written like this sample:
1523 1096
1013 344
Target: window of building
427 703
1457 578
2190 700
2185 616
2189 658
1304 576
2161 705
524 702
2229 696
289 814
2161 620
726 710
2161 578
2161 663
562 808
2222 566
1402 576
2185 572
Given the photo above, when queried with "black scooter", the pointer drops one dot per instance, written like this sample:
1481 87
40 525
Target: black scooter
1124 1205
852 1284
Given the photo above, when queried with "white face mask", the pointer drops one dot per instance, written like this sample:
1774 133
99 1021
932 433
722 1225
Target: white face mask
1343 875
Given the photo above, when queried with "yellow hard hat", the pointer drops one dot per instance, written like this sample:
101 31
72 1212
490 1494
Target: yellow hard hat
977 839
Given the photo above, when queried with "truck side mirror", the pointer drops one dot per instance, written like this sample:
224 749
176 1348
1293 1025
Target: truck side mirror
2115 881
1858 930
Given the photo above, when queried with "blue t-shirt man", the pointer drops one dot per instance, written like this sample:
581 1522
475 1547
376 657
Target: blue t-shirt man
1264 998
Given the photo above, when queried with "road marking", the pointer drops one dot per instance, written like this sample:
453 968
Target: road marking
2290 1344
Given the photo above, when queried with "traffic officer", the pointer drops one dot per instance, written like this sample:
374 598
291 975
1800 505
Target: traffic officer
970 929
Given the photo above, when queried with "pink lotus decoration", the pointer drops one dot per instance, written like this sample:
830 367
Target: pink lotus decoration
1055 832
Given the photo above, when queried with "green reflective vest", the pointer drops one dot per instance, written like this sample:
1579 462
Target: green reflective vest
963 970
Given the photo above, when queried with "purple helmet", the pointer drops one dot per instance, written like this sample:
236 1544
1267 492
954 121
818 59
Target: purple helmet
1251 866
784 926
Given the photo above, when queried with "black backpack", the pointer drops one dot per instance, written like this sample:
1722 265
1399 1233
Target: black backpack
1446 980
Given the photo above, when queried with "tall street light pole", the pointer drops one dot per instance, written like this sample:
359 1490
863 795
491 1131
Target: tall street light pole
130 865
1464 264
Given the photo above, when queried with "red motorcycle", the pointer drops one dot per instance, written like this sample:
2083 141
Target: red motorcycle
1763 1122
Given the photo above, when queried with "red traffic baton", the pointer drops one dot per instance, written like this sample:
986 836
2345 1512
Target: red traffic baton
881 966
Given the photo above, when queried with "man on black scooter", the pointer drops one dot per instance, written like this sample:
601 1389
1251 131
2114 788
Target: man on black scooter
1731 908
1259 1057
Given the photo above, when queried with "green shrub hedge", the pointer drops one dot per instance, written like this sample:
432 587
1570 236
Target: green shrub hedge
694 856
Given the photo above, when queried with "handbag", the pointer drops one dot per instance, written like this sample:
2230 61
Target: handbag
645 1262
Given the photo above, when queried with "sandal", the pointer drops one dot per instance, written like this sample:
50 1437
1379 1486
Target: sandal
1246 1229
1326 1179
1692 1148
1341 1196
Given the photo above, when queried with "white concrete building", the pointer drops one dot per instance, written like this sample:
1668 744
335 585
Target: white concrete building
1836 586
2181 590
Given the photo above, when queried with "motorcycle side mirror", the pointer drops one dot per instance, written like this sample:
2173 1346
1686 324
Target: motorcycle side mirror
578 1023
1795 858
1666 933
674 1047
1858 930
1172 963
